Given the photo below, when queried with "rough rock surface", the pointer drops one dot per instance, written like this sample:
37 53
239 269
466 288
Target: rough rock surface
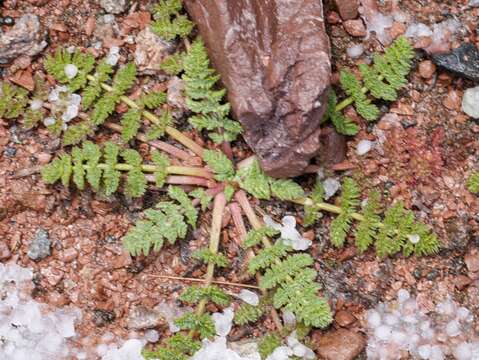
114 6
463 61
348 9
150 51
25 38
277 71
341 344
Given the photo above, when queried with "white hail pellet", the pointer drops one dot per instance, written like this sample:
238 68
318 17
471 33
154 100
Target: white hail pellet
36 104
49 121
364 146
70 71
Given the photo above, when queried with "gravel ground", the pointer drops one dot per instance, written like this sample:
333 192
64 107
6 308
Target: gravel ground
425 149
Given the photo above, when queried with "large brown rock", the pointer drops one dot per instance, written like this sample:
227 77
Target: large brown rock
273 57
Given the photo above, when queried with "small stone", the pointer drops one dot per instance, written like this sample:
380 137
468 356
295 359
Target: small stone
344 318
348 9
355 27
40 246
470 102
150 51
472 262
364 146
141 317
463 61
103 317
8 21
69 255
473 3
10 152
461 282
5 253
25 38
427 69
341 344
452 101
114 6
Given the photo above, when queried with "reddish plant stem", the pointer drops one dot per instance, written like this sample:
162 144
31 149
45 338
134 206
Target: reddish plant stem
161 145
241 228
224 283
215 233
184 180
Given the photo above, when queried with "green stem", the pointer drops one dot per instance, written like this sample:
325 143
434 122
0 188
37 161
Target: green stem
175 134
349 100
218 211
174 170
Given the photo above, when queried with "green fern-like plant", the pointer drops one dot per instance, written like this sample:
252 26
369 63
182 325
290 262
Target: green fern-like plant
290 275
473 183
13 100
382 80
168 221
177 347
349 202
168 22
84 165
204 99
397 231
56 64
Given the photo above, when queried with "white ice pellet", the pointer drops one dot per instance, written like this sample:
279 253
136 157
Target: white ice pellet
414 238
383 332
152 336
218 350
113 56
436 353
289 235
355 51
403 295
249 297
75 99
463 351
289 318
28 330
453 328
363 147
446 307
49 121
391 319
280 353
470 102
70 70
373 318
223 321
424 351
417 30
70 113
130 350
36 104
399 337
330 186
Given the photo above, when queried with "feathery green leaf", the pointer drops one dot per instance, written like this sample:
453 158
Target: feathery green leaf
349 202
